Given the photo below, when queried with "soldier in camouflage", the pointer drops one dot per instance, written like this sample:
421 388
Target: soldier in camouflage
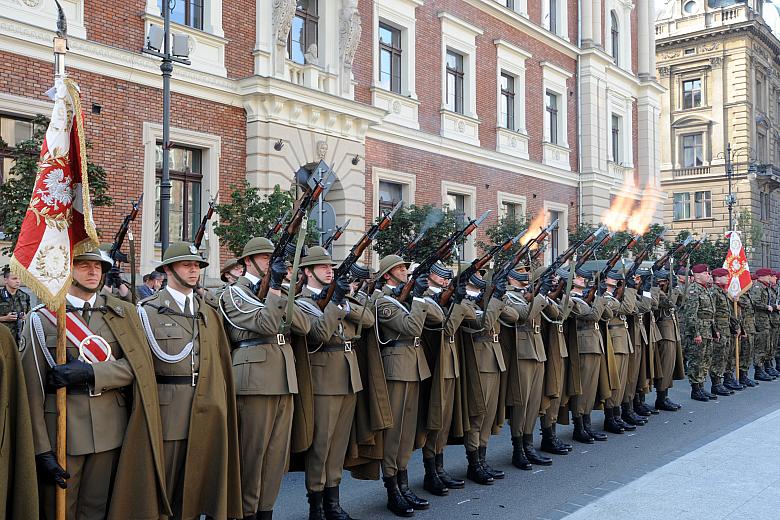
14 304
699 315
774 321
725 325
746 339
759 298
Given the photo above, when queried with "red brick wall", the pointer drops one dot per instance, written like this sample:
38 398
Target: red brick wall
634 41
116 134
238 22
488 181
428 66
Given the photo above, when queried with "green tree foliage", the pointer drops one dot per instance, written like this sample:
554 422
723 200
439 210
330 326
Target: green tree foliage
408 223
251 214
618 240
505 228
15 192
711 252
752 231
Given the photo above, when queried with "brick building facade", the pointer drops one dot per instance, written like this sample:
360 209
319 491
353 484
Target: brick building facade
476 104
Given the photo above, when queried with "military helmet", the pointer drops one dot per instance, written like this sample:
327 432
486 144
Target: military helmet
227 266
99 254
477 282
517 275
440 269
181 252
317 256
388 263
257 246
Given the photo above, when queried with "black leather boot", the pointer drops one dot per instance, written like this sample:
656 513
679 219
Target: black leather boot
403 486
663 402
697 394
446 478
396 502
619 419
744 379
265 515
548 442
770 370
717 387
580 433
250 517
586 423
476 473
432 483
564 445
332 506
497 474
519 460
730 382
533 456
761 375
316 511
629 416
651 409
641 408
610 424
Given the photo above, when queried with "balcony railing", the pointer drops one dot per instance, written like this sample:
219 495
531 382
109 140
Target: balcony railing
690 172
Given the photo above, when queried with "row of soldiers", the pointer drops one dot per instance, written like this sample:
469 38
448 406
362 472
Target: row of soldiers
721 334
187 404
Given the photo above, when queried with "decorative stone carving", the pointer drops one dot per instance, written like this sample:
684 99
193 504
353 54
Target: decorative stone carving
31 3
716 62
396 107
283 12
322 150
311 58
663 72
670 55
709 47
350 29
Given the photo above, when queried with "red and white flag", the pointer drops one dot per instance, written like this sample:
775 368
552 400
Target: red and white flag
58 224
737 265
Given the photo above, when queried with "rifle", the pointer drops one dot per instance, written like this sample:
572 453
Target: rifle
641 257
510 264
408 248
611 263
277 226
669 254
300 209
336 235
112 278
475 266
202 228
442 253
590 251
568 255
356 252
685 256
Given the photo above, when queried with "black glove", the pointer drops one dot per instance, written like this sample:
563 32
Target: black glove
396 291
586 292
546 285
499 288
72 373
278 272
113 278
460 290
342 290
631 282
647 282
420 286
48 468
602 288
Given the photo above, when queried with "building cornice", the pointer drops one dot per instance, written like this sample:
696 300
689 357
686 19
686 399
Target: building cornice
753 26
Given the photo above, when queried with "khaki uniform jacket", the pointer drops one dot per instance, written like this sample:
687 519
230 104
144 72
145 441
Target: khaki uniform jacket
617 326
521 340
556 352
333 372
18 492
397 328
140 470
589 340
666 316
205 415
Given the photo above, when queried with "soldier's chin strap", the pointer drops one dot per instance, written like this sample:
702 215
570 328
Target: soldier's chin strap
260 273
75 283
314 275
180 280
397 280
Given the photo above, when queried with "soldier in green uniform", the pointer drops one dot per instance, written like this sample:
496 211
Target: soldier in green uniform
525 363
399 327
747 325
485 360
446 376
193 369
264 372
726 325
762 309
699 312
590 344
335 379
14 304
113 449
774 322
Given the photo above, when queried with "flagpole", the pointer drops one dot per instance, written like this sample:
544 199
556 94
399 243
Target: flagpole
60 48
736 346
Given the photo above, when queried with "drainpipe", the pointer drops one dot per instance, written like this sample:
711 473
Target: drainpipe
579 114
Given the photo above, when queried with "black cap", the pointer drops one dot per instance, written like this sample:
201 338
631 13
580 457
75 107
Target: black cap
440 270
585 273
661 274
477 282
520 277
615 275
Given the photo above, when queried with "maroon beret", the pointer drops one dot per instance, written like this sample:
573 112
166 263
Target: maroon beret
720 272
764 271
753 276
700 268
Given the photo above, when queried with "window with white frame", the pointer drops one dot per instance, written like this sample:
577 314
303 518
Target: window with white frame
390 187
186 173
552 16
390 54
761 147
390 194
759 91
559 237
702 204
615 32
511 206
187 12
555 17
682 206
511 86
13 131
552 116
507 101
555 236
304 31
691 93
455 79
692 150
617 143
461 199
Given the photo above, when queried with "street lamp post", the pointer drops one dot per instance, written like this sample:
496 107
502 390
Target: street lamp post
177 54
730 199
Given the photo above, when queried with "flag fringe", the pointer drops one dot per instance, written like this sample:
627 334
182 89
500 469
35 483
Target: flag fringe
51 301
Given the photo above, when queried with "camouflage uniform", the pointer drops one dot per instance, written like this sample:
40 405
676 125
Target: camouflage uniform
725 322
18 303
699 314
748 326
759 298
774 321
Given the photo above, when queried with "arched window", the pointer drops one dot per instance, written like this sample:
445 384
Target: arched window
615 37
